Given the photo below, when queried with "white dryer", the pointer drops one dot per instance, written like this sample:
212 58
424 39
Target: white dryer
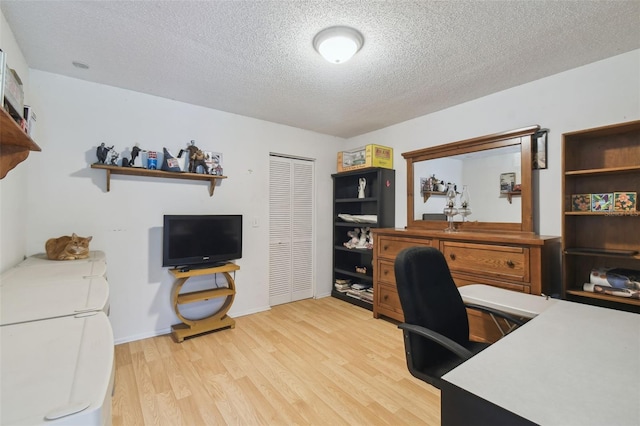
58 371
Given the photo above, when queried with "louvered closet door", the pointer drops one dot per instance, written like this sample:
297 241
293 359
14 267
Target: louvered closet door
290 230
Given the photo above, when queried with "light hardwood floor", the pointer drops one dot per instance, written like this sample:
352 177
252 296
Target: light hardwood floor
313 362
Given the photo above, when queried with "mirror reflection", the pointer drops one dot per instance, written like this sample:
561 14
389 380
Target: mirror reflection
491 192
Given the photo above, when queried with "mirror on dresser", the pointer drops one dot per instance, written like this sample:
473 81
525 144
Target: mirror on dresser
496 170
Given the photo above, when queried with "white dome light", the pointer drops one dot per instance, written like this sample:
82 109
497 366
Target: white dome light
338 44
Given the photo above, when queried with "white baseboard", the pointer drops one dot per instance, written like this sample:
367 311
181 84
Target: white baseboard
164 331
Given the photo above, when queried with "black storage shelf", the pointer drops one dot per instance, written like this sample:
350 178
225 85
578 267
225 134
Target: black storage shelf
380 201
358 251
356 275
358 302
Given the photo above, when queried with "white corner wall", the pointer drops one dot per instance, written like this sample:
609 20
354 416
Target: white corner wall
13 201
598 94
65 195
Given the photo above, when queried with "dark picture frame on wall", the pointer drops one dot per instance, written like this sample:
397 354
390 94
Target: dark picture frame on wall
539 157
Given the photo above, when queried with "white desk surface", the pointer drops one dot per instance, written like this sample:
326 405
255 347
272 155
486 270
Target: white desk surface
512 302
32 301
573 364
49 366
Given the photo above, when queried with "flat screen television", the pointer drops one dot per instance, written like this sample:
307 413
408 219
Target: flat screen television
192 241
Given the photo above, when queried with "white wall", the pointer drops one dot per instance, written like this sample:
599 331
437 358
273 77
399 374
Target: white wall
65 195
13 201
598 94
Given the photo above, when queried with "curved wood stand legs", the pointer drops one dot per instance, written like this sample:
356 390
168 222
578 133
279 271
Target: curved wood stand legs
216 321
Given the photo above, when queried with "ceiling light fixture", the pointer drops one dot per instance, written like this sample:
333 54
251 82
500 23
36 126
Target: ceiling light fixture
338 44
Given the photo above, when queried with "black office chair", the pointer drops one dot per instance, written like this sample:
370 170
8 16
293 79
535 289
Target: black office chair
436 327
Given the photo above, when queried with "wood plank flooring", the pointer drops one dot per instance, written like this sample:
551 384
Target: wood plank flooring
313 362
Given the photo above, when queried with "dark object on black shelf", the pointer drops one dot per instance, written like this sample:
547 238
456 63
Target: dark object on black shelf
102 152
169 162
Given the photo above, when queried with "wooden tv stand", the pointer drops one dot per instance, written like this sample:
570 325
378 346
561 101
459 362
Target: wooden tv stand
216 321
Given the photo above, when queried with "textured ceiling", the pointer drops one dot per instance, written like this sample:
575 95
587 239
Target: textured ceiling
256 58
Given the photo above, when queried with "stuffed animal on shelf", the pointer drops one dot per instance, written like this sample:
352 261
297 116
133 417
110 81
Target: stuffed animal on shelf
355 238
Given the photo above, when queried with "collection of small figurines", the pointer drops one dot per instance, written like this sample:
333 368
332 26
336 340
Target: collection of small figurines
361 269
361 238
195 161
433 184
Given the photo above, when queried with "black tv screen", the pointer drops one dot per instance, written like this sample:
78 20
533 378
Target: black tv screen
201 240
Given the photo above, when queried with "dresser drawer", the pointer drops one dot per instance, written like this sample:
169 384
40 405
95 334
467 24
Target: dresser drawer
388 302
510 262
386 273
389 247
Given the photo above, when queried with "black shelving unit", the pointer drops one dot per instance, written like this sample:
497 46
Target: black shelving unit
379 201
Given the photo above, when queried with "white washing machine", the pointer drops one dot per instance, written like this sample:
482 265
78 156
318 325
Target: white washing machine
57 371
39 268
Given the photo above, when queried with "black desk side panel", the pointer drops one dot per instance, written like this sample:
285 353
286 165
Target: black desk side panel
460 407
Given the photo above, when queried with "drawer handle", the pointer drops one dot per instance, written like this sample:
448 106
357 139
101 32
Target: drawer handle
386 272
452 256
510 264
385 297
385 248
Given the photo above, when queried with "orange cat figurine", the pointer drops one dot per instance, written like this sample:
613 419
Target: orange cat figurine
68 248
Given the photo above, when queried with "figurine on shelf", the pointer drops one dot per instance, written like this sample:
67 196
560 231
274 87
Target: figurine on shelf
135 151
102 152
362 183
196 158
113 160
169 162
369 239
353 242
214 159
362 242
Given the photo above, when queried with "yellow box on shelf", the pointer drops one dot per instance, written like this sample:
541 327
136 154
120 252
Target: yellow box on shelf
367 156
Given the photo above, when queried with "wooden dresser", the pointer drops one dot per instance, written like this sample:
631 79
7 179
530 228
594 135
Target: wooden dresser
511 261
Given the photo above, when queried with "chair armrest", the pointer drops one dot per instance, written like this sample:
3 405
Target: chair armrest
459 350
495 312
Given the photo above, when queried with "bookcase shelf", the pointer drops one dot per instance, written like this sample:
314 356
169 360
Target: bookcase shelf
600 160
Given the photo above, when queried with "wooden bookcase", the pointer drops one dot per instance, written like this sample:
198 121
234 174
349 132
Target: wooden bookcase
380 201
600 160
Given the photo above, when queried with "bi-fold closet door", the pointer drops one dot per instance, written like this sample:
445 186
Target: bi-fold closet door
291 233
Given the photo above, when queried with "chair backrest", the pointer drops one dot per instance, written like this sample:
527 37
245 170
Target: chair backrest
430 298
